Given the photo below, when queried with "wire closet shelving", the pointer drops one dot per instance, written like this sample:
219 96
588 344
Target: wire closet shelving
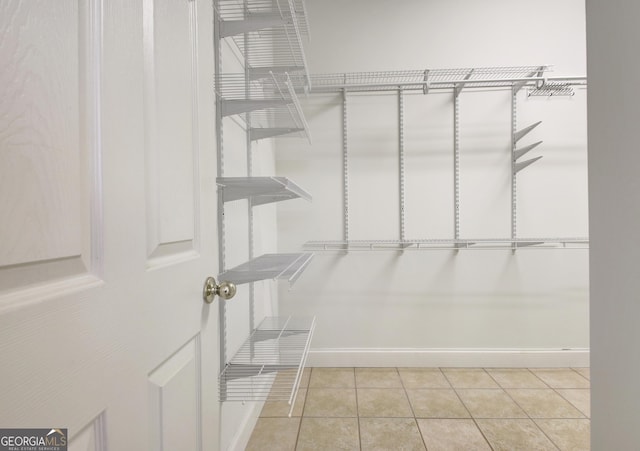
452 244
269 105
514 79
269 267
260 190
269 365
270 35
425 80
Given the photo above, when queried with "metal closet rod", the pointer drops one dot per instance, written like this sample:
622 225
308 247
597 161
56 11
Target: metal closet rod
448 84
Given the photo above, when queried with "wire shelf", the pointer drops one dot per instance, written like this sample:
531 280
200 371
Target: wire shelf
424 80
234 10
449 244
269 365
260 190
268 104
269 33
269 266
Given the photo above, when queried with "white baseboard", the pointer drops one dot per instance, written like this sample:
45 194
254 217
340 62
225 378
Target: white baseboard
242 435
425 357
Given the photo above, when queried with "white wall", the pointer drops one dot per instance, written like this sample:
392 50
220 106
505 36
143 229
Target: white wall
372 306
614 189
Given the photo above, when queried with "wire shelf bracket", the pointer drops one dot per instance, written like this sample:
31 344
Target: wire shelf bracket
520 152
523 164
522 133
459 86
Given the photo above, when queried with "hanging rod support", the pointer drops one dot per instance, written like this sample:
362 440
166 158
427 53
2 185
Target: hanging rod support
536 73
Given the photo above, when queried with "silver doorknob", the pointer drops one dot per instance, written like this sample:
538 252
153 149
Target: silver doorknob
226 290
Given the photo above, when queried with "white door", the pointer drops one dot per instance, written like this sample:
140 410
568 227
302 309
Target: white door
108 222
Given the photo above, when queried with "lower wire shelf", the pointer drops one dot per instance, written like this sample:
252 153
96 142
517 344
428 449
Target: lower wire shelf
269 365
448 244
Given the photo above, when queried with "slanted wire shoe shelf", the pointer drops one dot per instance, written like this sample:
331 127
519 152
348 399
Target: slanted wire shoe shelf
269 365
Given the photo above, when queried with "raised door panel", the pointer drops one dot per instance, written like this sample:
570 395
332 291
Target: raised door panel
91 438
46 151
174 395
171 118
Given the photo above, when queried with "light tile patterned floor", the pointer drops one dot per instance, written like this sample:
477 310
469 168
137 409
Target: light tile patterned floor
434 409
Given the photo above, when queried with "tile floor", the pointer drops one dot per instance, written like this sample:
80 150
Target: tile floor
461 409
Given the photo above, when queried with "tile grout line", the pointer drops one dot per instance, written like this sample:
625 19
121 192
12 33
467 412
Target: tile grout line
581 375
555 389
415 419
527 413
304 405
572 404
355 389
468 411
522 408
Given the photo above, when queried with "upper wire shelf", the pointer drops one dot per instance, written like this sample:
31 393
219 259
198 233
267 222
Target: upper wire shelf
268 104
260 190
269 266
427 79
269 33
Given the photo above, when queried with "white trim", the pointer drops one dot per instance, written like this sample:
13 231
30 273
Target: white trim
452 357
45 291
241 438
94 87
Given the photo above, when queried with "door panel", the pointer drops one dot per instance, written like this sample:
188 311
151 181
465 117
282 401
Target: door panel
43 170
170 107
91 438
175 390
